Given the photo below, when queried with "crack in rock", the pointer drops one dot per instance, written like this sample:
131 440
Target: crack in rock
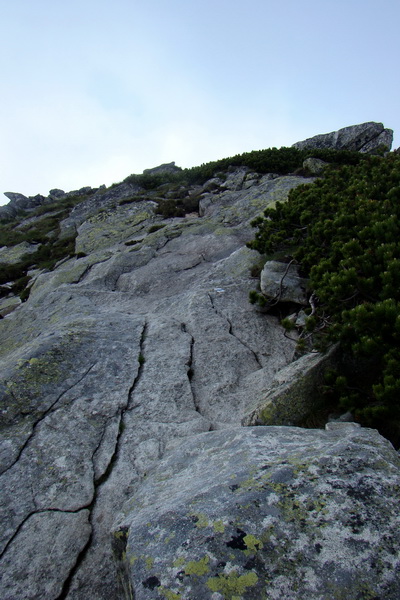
29 516
50 410
242 342
83 275
100 480
63 528
233 334
141 360
190 370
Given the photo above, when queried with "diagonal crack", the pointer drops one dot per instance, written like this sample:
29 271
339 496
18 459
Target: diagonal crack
243 343
231 331
52 408
37 512
200 261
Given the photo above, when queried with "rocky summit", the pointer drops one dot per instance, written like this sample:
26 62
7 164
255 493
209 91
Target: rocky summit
366 137
134 371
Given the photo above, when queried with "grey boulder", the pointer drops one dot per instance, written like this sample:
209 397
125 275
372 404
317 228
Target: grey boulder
281 282
162 169
266 512
365 137
315 166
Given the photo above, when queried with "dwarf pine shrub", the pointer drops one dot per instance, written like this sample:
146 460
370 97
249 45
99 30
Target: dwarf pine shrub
344 232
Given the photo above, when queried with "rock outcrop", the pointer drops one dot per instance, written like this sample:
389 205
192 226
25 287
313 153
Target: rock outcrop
162 169
115 357
266 512
14 254
366 137
20 204
144 346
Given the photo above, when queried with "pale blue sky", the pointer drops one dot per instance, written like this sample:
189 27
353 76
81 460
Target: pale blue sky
94 90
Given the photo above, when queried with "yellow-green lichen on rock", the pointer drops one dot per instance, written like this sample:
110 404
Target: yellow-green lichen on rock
111 227
233 585
198 567
275 506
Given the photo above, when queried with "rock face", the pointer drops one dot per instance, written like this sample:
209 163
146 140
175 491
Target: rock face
266 512
366 137
115 357
119 357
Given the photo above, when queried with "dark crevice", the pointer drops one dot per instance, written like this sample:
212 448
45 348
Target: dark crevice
108 420
212 302
190 369
141 360
79 559
106 473
163 244
84 274
99 481
52 408
243 343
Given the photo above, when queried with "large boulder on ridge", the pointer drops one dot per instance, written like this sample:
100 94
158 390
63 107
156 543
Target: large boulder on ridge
162 169
366 137
266 512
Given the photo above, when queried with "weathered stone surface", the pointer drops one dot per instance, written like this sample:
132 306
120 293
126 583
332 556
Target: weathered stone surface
117 356
366 137
13 254
109 227
17 203
8 212
7 305
266 512
95 202
235 179
56 194
293 394
229 207
18 200
27 573
281 282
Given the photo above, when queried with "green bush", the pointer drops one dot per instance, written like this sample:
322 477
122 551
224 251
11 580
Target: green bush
272 160
170 208
9 236
344 231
